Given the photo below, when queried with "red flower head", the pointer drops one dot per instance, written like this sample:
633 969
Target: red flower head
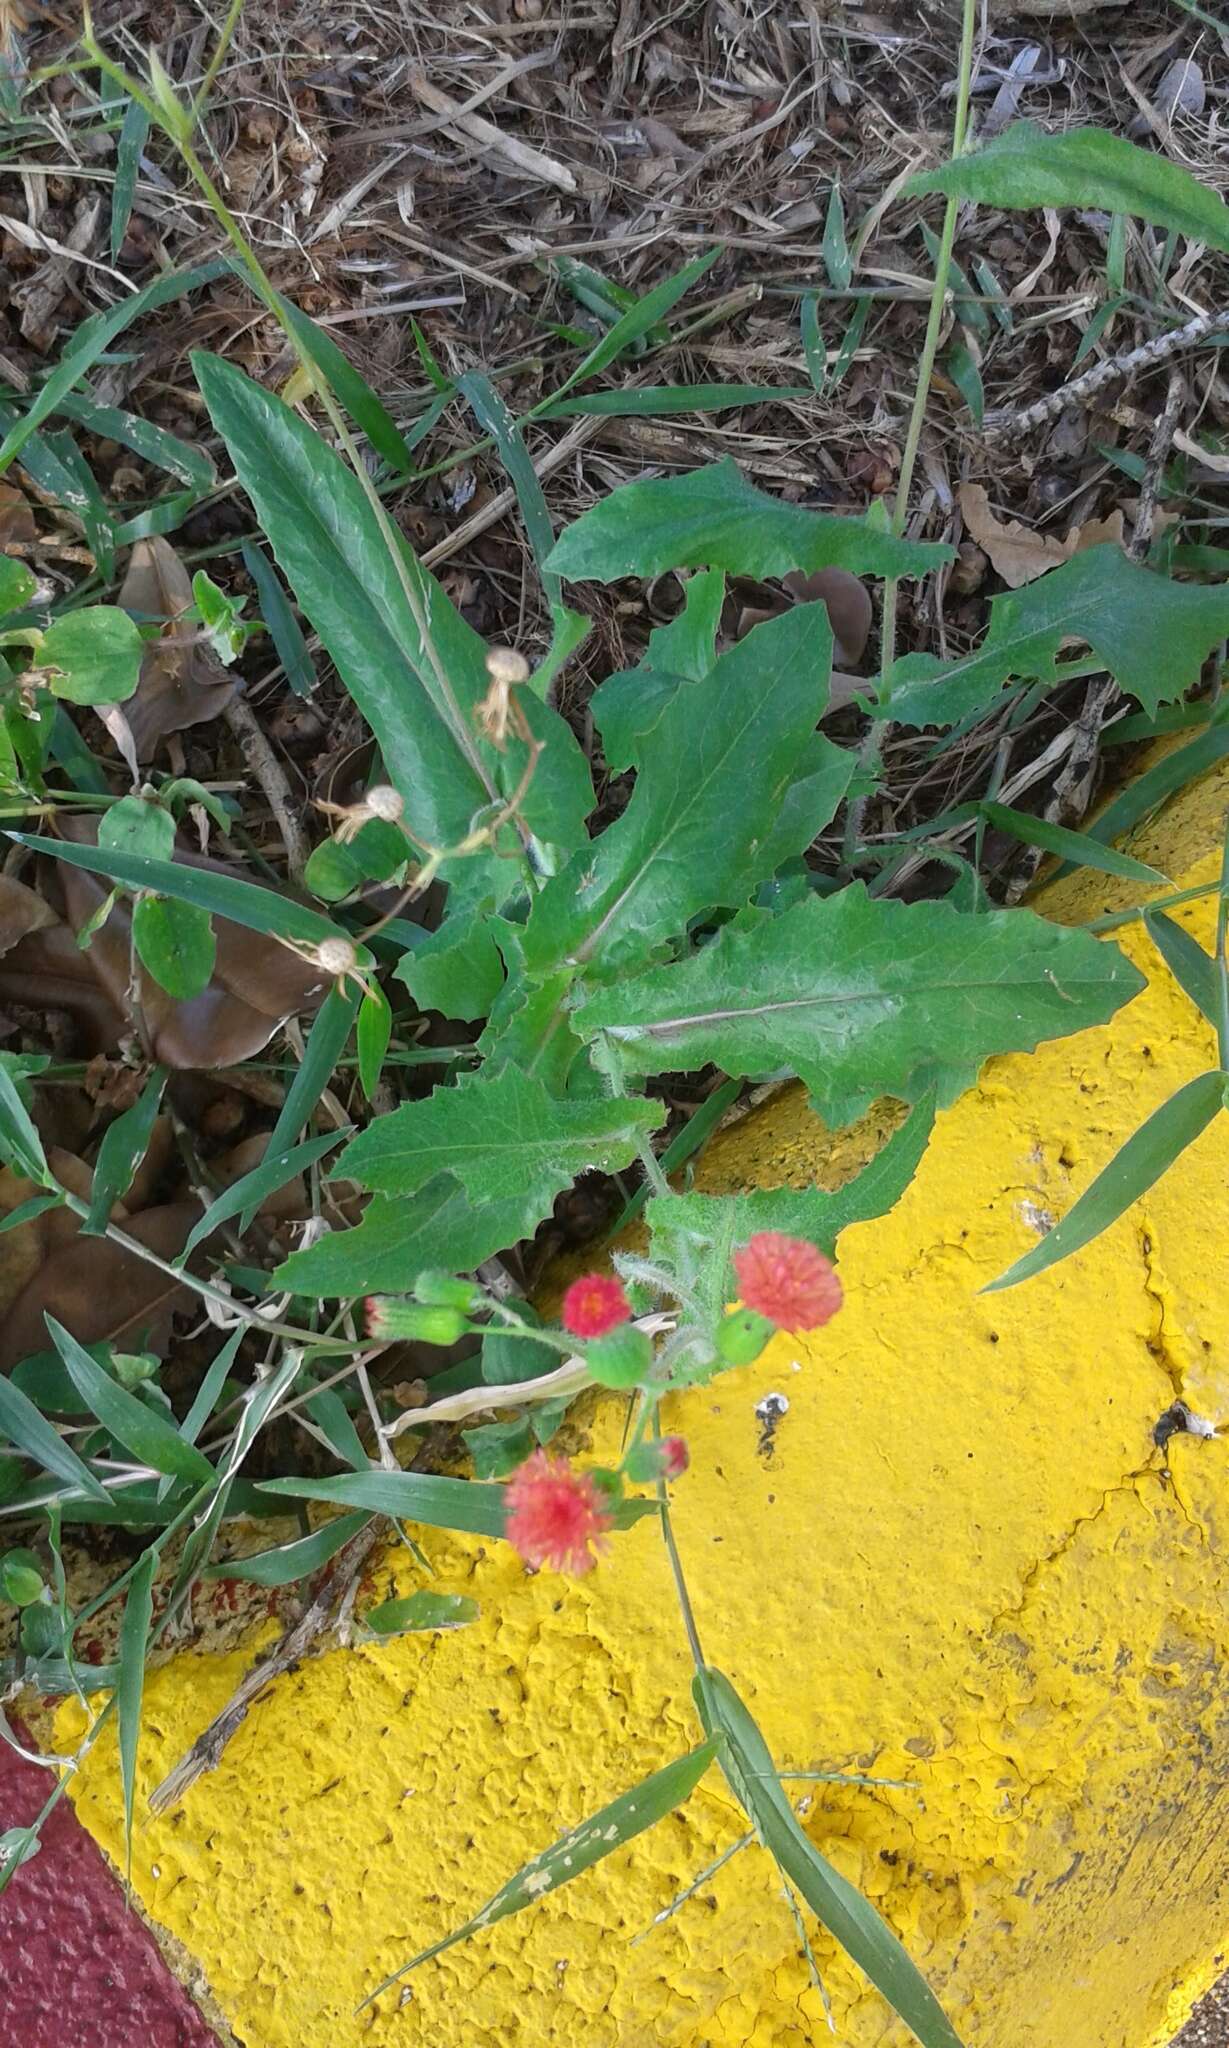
787 1280
675 1457
594 1304
554 1514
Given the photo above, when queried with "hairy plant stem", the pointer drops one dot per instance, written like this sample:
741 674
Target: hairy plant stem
872 745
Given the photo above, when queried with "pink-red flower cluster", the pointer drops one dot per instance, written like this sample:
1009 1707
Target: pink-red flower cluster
787 1280
556 1516
593 1305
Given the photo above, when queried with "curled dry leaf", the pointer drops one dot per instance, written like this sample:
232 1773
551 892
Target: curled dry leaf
848 604
17 528
182 681
1018 553
100 1291
21 911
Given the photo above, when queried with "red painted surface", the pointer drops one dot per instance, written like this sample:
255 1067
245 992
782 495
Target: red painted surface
77 1969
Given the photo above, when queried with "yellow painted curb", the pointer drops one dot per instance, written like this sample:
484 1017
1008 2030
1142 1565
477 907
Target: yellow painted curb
964 1562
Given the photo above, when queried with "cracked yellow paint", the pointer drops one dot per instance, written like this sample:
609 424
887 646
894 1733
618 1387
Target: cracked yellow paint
965 1565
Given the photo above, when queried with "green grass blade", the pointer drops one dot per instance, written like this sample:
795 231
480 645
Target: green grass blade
1147 1154
834 248
350 388
132 139
133 1641
1076 847
140 1429
245 903
693 1137
578 1850
153 444
462 1504
124 1146
278 614
636 321
97 334
20 1144
1192 968
31 1433
813 345
744 1757
491 412
654 401
331 1028
1147 792
287 1562
274 1170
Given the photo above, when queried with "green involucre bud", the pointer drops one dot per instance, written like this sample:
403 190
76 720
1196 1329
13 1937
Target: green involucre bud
444 1290
399 1320
621 1358
742 1336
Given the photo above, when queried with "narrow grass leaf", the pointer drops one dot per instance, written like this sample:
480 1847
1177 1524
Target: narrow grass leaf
132 139
491 412
408 1496
745 1758
578 1850
813 346
123 1147
835 248
278 614
130 1686
245 903
275 1169
153 444
350 388
326 1040
851 342
1075 847
140 1429
20 1144
32 1434
1147 1154
1194 970
288 1562
636 321
656 401
372 1033
97 334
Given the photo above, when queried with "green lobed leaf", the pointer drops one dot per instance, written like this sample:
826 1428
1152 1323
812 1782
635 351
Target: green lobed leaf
93 656
745 1759
1025 167
457 970
399 1239
503 1138
175 943
329 545
138 1427
32 1434
721 759
416 1611
287 1562
1152 634
579 1849
713 518
629 706
1147 1154
130 1685
124 1145
337 866
817 1214
862 997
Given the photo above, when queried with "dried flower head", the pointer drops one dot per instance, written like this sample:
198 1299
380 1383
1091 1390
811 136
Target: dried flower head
787 1280
556 1516
498 710
594 1304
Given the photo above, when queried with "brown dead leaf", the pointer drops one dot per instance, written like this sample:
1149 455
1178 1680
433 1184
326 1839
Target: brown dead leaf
17 527
100 1291
182 681
21 911
47 970
848 605
1019 554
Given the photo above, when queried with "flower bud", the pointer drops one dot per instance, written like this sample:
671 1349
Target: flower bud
742 1336
444 1290
668 1458
621 1358
391 1318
